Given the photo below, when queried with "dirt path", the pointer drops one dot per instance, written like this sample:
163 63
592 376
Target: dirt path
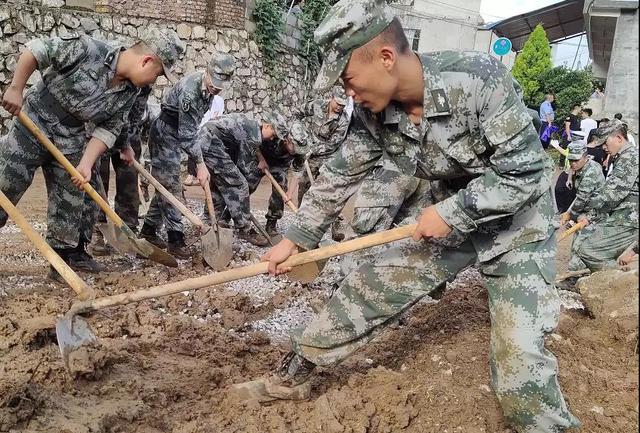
164 365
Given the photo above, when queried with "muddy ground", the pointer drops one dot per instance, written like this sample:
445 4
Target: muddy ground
165 365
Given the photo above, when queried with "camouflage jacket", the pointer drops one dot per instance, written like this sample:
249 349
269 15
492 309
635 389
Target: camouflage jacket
136 119
187 102
75 89
618 197
240 135
475 136
328 131
588 180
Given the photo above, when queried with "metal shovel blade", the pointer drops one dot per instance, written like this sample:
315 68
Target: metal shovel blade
305 274
72 332
125 242
217 247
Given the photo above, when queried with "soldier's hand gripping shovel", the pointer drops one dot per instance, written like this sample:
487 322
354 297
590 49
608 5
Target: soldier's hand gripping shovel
568 232
306 273
216 255
117 233
82 335
83 291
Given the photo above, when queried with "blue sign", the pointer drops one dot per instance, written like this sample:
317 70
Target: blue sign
502 46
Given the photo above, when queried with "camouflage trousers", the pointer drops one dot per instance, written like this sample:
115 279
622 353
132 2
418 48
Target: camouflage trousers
599 245
230 188
165 167
276 203
524 307
127 199
70 214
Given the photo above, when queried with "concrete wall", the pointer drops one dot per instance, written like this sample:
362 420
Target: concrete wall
621 91
449 25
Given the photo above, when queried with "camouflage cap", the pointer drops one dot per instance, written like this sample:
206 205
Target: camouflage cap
220 69
279 123
606 130
576 149
165 44
349 24
339 95
299 137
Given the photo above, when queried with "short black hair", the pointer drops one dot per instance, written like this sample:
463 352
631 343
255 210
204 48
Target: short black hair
393 35
589 111
618 116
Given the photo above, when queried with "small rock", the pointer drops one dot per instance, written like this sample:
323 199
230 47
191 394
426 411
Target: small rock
4 13
9 29
48 22
106 23
435 358
212 36
485 388
27 20
198 32
184 31
70 21
597 409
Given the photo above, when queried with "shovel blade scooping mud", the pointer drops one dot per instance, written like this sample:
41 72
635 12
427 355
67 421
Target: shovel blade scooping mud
216 247
124 241
72 332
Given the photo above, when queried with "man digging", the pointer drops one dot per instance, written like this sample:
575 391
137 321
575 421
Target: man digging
447 116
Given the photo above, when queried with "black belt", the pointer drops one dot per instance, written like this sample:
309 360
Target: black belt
169 119
51 104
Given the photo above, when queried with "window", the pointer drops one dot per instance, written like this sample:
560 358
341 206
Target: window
413 36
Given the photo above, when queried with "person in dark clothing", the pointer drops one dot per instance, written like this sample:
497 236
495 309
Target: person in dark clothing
596 151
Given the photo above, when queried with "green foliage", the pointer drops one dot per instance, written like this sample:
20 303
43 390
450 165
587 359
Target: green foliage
313 13
533 61
269 25
570 87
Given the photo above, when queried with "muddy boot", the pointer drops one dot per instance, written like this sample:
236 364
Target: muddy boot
270 227
289 382
225 224
79 260
176 246
99 247
253 237
149 233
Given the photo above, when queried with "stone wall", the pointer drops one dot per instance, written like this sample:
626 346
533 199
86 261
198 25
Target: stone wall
253 89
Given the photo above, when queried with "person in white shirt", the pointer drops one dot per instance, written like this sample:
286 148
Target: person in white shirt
587 123
216 109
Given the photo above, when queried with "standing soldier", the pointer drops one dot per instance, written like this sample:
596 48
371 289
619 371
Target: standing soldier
616 200
174 131
587 180
455 117
84 80
230 146
127 199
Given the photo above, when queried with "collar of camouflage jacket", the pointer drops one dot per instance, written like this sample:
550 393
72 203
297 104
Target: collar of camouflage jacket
435 103
111 62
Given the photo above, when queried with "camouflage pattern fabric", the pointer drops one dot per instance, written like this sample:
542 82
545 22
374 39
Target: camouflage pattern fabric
477 141
617 200
186 104
228 144
75 89
127 199
586 182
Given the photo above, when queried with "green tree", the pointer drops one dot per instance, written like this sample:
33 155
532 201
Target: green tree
570 87
533 61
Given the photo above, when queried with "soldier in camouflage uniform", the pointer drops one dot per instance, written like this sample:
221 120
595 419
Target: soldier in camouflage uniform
456 119
175 131
84 80
616 200
279 155
587 179
127 199
230 147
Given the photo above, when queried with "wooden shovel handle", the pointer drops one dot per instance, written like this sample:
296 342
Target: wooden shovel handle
254 269
278 188
568 232
75 282
44 140
193 218
212 210
307 167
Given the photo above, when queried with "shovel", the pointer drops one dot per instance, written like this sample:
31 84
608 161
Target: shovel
83 291
306 273
117 233
219 238
74 332
216 255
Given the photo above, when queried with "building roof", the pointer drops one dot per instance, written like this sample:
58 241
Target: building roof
561 21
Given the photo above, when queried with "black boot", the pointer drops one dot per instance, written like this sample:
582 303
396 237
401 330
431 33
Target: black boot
176 245
78 259
271 228
149 233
